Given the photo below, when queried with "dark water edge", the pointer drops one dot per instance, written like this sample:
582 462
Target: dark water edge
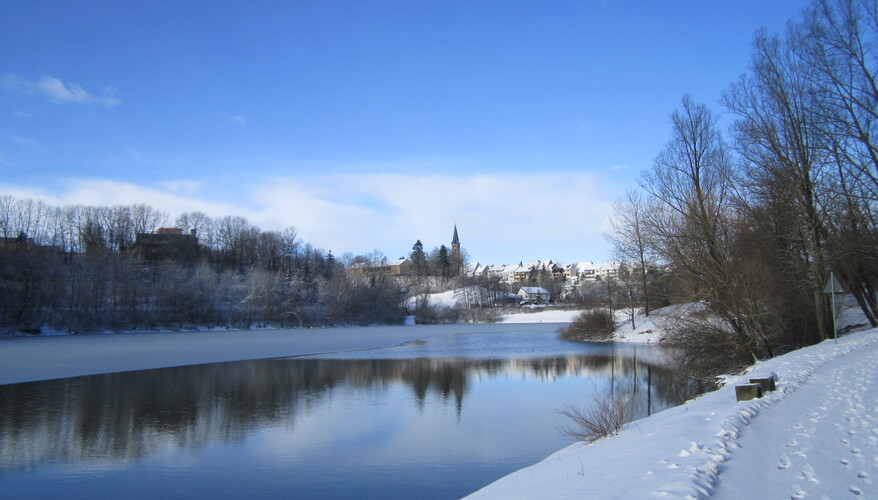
391 427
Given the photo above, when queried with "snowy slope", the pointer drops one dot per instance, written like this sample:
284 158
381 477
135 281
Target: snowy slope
816 435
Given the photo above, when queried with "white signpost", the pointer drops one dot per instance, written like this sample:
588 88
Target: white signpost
833 287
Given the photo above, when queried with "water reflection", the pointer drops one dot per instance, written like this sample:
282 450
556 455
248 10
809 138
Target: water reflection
128 416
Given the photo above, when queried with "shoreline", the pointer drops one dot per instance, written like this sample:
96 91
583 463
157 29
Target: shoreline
688 451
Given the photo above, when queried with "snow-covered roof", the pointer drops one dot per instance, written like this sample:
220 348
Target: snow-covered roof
612 265
383 263
535 290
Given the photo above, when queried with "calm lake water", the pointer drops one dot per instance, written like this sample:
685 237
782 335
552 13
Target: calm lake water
436 419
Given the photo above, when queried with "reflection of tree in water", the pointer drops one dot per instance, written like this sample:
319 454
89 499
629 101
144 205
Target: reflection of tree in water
135 414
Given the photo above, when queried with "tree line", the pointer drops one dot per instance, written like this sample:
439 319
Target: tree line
750 221
75 268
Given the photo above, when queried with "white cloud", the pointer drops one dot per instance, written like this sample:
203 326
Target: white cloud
58 91
238 120
501 218
619 167
102 192
511 217
183 186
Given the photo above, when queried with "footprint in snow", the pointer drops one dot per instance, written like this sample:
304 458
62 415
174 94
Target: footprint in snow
807 473
784 461
796 491
855 490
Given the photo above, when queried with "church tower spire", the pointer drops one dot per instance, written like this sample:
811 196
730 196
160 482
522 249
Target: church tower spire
455 248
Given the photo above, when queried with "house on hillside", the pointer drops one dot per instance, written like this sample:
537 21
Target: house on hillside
609 270
525 270
478 270
570 272
587 270
503 272
396 267
533 294
558 272
167 243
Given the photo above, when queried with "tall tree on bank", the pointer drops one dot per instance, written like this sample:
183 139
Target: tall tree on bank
691 183
785 156
628 234
839 40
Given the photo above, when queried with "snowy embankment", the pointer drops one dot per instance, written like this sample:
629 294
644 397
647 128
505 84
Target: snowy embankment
816 436
647 329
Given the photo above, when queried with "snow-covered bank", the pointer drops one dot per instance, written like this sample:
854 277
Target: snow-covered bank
26 359
817 434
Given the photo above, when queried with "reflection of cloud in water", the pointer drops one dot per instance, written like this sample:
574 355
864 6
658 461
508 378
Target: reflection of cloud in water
132 415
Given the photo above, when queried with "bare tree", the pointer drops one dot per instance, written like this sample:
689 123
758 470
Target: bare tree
146 219
839 40
629 236
692 185
7 211
785 158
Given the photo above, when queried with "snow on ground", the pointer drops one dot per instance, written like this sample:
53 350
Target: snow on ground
646 328
816 436
448 298
541 315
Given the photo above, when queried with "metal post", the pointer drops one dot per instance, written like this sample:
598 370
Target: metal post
834 326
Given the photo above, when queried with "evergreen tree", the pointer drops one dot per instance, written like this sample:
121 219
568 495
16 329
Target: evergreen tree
444 262
419 259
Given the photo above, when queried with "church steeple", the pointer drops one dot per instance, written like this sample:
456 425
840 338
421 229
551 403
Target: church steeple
456 256
455 245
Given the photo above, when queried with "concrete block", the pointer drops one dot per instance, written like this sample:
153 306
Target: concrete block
767 384
746 392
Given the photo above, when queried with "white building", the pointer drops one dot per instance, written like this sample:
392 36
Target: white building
533 294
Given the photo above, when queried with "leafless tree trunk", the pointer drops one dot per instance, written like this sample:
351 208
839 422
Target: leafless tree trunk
629 237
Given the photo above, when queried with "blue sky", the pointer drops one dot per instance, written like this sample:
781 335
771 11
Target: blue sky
364 124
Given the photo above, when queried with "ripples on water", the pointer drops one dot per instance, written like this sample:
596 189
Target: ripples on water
423 420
